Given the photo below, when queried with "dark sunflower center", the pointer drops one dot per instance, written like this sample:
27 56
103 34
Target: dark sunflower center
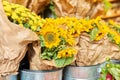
66 53
49 37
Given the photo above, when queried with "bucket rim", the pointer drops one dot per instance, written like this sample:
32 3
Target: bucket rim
88 65
40 71
83 66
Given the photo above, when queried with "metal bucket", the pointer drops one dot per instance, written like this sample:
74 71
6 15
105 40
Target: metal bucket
41 75
115 61
81 73
10 77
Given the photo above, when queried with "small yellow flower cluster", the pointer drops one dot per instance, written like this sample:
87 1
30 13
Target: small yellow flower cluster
102 27
68 52
22 16
116 36
115 33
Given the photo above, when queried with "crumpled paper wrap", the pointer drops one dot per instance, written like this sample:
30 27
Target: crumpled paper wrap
36 6
95 52
78 8
36 63
14 42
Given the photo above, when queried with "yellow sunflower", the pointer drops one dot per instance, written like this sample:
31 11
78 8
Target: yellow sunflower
51 36
68 52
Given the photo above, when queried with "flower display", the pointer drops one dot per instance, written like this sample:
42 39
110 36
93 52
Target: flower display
57 44
54 39
22 16
58 36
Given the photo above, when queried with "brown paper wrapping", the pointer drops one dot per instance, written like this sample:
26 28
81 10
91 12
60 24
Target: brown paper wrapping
95 52
34 5
36 63
38 5
21 2
14 42
78 8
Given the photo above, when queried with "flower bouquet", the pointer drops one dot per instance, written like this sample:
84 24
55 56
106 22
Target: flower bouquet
60 39
57 39
13 45
97 41
36 6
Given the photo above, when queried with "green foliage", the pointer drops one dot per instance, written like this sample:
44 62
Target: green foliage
61 62
115 71
111 37
112 68
93 33
107 5
117 28
52 8
49 54
42 41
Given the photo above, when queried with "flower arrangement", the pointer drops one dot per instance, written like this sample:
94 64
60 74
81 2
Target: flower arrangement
56 43
58 36
22 16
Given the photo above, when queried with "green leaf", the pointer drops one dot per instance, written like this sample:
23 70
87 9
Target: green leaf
62 62
107 5
50 54
46 57
93 33
111 37
26 25
117 28
43 54
55 56
52 8
119 44
42 41
38 28
68 61
115 73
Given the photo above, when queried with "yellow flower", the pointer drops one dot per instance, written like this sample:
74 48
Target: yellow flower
30 22
117 39
111 22
8 9
68 52
21 15
21 25
15 16
33 28
63 33
8 14
51 36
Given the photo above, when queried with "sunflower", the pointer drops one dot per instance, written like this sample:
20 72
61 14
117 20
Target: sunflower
68 52
51 36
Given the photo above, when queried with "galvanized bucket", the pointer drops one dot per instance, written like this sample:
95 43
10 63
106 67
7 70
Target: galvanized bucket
81 73
10 77
115 61
41 75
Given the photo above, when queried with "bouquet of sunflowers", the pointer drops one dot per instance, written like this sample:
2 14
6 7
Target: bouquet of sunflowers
57 44
59 37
